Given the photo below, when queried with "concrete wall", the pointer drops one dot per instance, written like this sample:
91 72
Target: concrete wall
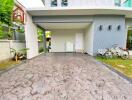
84 3
88 39
31 37
106 38
5 46
60 37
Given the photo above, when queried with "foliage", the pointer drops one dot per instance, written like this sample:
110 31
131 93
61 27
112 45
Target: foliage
1 31
19 54
20 28
48 34
6 32
41 49
40 35
6 8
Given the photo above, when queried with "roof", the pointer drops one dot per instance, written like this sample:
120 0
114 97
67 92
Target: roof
17 3
80 11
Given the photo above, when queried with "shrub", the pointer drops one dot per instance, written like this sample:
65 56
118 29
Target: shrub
41 49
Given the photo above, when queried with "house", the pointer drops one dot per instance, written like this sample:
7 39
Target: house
18 13
80 25
13 39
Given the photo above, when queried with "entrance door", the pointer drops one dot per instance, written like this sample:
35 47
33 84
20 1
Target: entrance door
79 42
69 46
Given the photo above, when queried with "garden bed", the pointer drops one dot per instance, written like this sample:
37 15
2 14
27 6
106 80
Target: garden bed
123 66
4 65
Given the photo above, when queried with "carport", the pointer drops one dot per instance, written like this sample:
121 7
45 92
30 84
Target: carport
69 33
69 20
67 37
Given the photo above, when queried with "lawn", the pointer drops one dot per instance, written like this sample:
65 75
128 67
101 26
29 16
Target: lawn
123 66
7 64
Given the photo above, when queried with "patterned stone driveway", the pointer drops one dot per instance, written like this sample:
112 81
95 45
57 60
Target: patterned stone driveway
63 77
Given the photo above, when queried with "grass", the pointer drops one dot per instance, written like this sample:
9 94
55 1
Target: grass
7 64
123 66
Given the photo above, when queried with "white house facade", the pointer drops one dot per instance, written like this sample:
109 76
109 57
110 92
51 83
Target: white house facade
79 25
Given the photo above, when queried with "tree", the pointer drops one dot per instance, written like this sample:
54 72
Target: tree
40 34
6 9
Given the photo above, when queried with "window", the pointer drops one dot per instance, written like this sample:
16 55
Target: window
117 2
64 3
53 3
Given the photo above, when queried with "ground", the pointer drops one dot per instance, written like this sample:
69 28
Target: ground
7 64
63 77
123 66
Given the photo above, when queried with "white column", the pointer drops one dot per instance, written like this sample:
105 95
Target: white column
31 37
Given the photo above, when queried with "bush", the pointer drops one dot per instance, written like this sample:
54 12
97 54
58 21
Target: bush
41 49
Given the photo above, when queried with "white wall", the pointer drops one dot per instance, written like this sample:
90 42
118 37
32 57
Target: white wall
5 46
84 3
88 39
60 37
31 37
91 3
106 38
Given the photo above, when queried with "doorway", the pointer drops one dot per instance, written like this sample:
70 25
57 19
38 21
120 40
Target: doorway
129 40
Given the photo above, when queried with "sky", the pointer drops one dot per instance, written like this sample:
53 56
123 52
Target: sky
31 3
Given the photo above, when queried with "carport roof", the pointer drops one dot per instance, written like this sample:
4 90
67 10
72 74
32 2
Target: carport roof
80 11
64 25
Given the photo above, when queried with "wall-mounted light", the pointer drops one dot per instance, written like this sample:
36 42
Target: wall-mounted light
100 27
110 27
118 27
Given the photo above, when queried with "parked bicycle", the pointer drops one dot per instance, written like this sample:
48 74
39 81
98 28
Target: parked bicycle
115 51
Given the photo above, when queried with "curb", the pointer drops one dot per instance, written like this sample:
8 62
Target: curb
117 72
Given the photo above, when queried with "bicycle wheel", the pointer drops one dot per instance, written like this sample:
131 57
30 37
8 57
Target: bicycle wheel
125 55
108 54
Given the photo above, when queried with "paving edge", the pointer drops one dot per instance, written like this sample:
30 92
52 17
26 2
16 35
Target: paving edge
12 67
117 72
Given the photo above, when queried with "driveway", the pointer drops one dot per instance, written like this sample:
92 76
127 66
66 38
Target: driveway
63 77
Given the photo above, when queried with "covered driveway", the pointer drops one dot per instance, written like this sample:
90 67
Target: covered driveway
70 33
70 37
62 76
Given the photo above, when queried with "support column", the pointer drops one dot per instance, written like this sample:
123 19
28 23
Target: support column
31 37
